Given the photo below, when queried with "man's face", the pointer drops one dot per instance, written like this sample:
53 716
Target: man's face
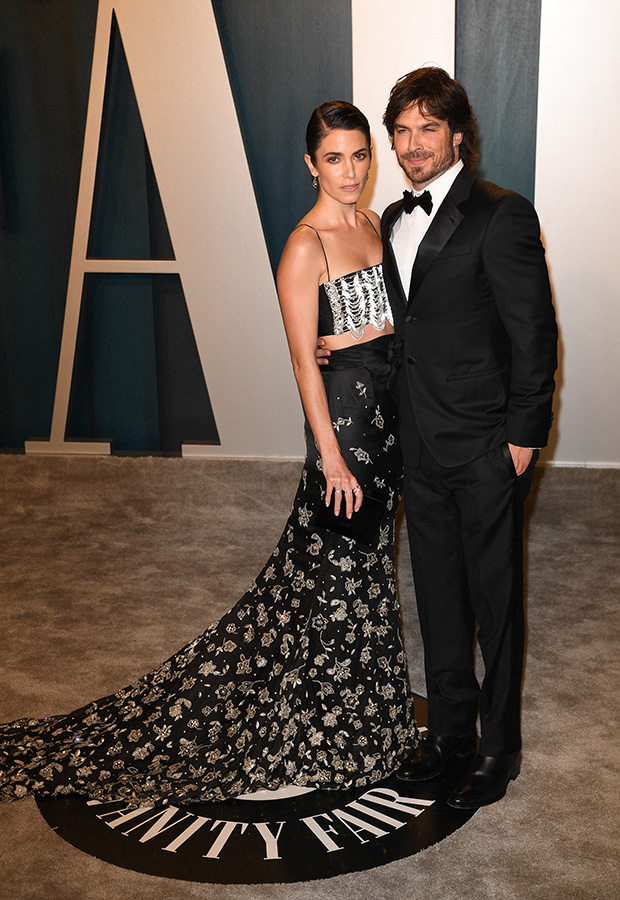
424 146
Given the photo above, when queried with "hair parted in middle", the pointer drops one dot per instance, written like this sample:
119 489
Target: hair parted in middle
331 116
435 93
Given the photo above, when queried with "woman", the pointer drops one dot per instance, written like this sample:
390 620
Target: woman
304 681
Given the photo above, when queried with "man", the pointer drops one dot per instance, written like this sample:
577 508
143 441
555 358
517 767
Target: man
469 289
468 285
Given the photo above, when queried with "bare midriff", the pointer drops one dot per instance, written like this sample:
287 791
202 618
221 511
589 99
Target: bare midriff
339 341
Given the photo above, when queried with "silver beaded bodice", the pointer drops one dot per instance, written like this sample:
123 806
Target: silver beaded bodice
359 299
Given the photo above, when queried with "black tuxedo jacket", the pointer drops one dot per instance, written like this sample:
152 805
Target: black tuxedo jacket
478 326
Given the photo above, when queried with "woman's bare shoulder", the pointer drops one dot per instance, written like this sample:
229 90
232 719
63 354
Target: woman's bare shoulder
303 246
373 216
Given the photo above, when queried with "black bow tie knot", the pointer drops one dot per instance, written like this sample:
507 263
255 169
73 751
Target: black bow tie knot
424 200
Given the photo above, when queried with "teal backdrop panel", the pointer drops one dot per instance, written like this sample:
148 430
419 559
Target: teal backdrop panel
45 59
497 50
127 208
283 58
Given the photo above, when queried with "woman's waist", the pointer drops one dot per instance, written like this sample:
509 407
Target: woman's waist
344 339
375 351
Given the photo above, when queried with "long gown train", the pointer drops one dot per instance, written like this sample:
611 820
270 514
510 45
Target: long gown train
303 681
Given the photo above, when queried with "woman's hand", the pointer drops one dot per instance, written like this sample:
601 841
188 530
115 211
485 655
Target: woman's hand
345 489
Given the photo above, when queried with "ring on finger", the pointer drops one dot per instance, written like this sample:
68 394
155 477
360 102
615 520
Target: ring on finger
357 489
347 492
338 491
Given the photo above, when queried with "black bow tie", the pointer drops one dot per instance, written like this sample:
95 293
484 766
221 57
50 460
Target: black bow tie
424 200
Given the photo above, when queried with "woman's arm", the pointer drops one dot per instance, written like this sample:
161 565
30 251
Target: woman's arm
300 270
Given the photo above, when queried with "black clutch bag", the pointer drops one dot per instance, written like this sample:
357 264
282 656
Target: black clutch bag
362 526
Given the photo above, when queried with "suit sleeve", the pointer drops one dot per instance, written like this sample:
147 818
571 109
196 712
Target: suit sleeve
514 262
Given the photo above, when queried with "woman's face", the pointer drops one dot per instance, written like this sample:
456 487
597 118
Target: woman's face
341 164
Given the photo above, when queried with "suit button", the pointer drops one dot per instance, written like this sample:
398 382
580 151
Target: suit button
410 318
411 360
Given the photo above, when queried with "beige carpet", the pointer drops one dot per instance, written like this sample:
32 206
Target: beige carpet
109 565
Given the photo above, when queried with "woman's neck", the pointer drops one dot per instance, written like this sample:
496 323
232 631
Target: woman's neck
334 214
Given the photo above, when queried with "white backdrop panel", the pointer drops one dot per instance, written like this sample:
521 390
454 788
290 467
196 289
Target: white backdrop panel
578 197
388 42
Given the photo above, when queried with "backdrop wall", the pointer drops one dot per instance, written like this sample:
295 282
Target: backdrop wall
222 92
578 197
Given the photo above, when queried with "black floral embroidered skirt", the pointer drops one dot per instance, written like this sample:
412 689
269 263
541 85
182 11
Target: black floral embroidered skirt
303 681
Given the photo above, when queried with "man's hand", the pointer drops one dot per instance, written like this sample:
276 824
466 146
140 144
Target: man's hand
322 353
521 457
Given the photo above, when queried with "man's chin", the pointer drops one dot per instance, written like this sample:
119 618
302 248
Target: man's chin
418 176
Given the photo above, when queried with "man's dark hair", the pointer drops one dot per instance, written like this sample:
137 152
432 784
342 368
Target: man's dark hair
435 94
330 116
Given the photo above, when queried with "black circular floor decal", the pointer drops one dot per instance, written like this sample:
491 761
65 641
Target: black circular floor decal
296 834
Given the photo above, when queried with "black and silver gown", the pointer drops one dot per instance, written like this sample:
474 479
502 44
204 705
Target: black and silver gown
303 681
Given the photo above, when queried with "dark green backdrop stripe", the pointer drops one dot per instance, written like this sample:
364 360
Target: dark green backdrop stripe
497 50
45 58
283 59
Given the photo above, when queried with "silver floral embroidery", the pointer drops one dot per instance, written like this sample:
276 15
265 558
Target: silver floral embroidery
361 455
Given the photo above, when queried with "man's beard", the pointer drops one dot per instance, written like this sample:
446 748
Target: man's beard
439 165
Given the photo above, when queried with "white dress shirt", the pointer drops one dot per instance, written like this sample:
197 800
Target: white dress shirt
409 229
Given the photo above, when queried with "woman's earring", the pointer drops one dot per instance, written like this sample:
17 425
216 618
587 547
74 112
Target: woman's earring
315 182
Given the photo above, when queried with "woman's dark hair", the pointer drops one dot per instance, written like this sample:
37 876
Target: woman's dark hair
436 94
332 115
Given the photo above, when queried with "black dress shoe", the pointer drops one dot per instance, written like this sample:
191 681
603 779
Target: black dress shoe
434 754
485 781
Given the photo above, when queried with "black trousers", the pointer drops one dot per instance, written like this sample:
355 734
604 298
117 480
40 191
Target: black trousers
465 529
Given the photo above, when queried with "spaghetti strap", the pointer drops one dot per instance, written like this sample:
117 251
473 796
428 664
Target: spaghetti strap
305 224
369 221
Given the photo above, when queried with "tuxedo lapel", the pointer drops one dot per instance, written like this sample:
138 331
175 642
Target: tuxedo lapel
447 219
389 260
